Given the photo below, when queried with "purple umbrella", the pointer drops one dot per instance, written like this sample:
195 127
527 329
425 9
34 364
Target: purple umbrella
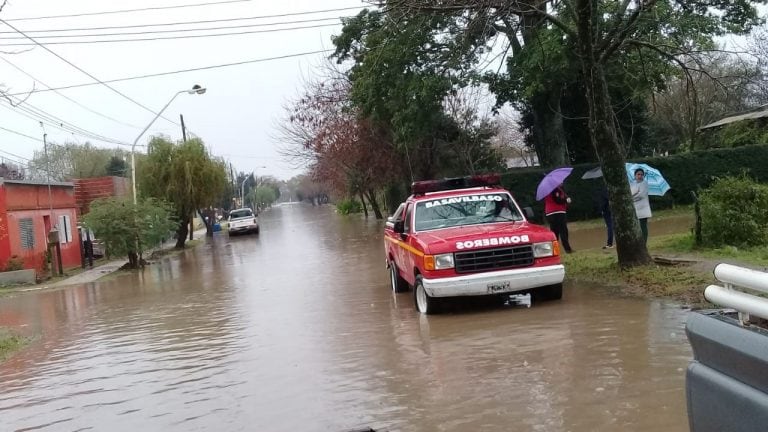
551 181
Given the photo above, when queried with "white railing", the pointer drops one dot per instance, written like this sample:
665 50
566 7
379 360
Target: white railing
727 296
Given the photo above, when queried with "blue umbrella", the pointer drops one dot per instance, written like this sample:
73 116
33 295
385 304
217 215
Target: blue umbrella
657 185
551 181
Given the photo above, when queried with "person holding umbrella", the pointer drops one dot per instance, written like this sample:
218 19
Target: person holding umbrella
556 203
640 199
555 210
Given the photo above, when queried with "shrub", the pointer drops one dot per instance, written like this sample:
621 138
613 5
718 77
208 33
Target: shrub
14 263
349 206
734 212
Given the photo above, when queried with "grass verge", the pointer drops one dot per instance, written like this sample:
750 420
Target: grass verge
10 343
684 280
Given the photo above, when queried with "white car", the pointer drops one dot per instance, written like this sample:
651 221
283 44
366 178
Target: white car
243 221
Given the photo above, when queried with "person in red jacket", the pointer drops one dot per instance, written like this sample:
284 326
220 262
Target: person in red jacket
555 207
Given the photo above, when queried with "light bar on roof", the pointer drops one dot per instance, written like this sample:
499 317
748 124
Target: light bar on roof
426 186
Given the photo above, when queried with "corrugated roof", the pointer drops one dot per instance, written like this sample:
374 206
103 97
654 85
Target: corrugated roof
733 119
35 182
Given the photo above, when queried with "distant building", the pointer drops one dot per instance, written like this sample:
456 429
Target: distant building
27 215
759 114
90 189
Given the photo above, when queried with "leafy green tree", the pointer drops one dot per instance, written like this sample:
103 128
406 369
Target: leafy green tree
185 175
117 167
70 161
262 197
403 70
128 229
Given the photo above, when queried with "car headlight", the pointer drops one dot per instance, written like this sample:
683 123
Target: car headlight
541 250
438 262
443 261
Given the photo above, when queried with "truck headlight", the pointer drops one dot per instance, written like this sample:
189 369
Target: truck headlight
438 262
541 250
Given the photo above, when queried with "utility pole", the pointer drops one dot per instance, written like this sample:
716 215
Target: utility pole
183 128
48 174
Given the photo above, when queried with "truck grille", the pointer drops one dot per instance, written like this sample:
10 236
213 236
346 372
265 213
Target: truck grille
494 259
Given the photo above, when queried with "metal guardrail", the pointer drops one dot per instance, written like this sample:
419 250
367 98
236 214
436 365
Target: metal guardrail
728 296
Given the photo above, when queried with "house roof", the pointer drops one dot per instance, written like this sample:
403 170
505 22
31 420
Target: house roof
35 183
763 112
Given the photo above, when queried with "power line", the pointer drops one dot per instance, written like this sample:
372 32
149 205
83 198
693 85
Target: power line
244 62
67 97
84 72
149 32
160 38
178 7
38 115
182 23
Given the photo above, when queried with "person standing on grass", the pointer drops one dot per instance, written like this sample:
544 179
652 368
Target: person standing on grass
555 207
640 198
605 211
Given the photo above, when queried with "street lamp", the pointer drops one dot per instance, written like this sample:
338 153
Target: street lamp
196 89
242 190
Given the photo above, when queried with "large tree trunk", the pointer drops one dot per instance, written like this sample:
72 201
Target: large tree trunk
630 246
133 260
548 131
374 204
181 232
362 202
211 215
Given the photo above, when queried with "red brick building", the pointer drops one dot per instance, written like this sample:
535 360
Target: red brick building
89 189
28 213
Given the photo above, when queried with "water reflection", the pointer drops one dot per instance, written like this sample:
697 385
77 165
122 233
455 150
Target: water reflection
296 329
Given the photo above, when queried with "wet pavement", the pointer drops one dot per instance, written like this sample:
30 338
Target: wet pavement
296 330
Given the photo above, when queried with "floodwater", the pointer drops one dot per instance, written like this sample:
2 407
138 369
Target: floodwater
296 330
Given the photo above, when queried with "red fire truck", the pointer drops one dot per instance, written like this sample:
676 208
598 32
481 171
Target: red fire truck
468 237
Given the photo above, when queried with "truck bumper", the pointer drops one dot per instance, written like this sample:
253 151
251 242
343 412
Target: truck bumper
243 229
503 281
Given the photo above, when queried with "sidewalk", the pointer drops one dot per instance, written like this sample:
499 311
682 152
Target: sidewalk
91 275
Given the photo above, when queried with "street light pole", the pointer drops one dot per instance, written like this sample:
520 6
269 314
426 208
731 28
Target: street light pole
196 89
242 190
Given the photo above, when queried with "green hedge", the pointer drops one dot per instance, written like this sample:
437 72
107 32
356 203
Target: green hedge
685 173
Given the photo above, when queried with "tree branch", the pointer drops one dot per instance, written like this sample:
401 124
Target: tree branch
608 47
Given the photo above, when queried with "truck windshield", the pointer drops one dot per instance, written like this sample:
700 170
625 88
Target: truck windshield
465 210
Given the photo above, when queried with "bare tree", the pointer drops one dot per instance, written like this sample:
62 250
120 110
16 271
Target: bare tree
510 139
714 85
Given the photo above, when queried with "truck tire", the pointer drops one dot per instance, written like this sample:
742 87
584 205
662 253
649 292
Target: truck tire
398 284
424 303
549 292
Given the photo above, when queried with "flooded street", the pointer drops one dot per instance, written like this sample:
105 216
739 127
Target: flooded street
296 330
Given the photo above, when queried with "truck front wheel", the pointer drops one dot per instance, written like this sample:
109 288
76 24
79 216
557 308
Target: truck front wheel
398 283
424 303
549 292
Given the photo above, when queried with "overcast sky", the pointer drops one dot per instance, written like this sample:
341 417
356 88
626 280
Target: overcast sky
237 115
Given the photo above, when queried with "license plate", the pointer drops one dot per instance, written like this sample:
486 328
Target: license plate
497 287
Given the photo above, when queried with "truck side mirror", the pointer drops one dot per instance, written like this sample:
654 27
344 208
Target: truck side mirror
399 227
528 212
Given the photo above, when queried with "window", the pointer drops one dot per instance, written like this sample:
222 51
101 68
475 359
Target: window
398 213
239 214
65 229
27 232
407 222
466 210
